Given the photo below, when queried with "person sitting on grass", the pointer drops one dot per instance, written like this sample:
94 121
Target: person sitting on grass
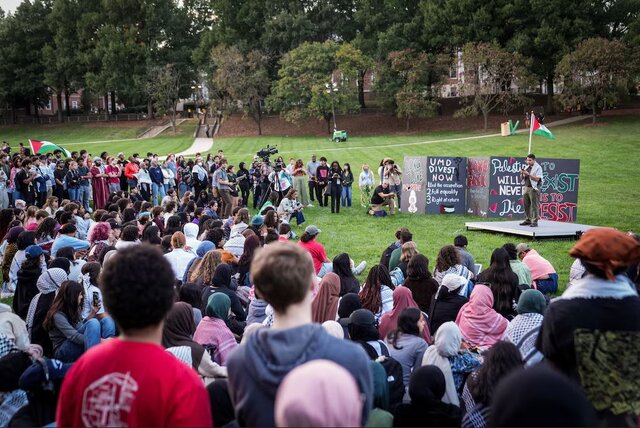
543 274
283 275
138 290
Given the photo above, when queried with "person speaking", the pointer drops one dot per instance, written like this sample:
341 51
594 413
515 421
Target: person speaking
532 181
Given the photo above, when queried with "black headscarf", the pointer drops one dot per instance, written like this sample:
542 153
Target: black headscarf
178 330
558 401
222 276
342 267
427 385
348 304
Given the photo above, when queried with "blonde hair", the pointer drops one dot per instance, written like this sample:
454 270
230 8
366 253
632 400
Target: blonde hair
408 250
207 267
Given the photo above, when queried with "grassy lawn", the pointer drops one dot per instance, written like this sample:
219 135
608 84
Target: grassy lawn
98 137
609 193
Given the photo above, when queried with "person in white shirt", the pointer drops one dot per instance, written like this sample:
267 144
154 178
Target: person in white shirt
365 182
531 182
191 235
179 257
290 207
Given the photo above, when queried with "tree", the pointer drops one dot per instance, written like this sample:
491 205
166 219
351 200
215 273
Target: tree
244 78
594 73
409 83
164 89
307 87
489 74
354 63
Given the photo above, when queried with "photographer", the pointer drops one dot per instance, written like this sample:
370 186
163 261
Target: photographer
281 179
255 175
393 175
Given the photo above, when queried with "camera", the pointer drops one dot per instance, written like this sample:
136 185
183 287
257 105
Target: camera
266 152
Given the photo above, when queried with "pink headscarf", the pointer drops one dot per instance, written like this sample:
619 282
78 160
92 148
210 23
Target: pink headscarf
319 393
402 299
479 323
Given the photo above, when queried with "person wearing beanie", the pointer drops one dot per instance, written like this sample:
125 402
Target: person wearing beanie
67 238
592 332
523 329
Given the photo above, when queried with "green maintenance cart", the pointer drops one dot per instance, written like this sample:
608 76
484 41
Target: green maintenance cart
339 136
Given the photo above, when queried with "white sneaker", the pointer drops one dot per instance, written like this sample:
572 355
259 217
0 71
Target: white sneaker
360 268
310 205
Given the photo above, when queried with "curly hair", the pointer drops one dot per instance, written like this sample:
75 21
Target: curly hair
100 232
370 293
418 267
448 257
137 286
46 229
207 267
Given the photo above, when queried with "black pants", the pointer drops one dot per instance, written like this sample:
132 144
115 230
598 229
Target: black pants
336 194
312 189
322 201
41 199
145 191
257 193
244 192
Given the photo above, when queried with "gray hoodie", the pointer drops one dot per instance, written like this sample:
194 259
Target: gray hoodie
257 368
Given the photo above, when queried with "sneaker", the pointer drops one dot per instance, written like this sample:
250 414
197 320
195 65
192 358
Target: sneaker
534 224
360 268
310 205
525 223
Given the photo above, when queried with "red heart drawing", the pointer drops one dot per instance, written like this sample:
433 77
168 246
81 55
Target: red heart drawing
521 201
493 192
510 216
511 160
493 208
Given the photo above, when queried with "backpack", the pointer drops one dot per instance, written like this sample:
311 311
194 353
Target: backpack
393 369
397 277
386 255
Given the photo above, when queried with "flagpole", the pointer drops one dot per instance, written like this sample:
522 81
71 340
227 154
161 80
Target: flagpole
530 130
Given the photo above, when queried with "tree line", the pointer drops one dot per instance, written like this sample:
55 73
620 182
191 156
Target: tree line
309 58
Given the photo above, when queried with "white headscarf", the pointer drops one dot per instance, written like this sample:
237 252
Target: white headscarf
446 344
48 282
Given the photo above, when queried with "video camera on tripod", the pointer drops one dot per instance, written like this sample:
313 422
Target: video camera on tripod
266 152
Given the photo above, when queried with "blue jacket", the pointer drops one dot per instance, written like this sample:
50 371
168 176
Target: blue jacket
257 368
62 241
155 172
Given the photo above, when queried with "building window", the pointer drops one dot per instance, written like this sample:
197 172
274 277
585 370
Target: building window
453 71
453 91
74 104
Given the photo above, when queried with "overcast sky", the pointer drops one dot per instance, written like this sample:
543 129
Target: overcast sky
9 5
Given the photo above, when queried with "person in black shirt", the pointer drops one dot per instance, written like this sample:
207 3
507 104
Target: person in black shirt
335 186
244 182
382 196
23 181
322 180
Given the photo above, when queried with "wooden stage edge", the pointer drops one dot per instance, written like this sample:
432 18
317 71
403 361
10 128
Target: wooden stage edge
545 229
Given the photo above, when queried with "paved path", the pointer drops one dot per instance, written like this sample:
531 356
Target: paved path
154 131
200 145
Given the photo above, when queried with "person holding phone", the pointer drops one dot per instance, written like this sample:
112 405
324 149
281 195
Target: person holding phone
90 273
531 182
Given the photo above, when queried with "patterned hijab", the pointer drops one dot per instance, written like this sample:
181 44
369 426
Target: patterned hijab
48 282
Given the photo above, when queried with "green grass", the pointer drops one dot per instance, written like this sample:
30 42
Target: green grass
608 195
97 139
609 191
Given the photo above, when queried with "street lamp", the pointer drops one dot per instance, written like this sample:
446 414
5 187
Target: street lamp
331 88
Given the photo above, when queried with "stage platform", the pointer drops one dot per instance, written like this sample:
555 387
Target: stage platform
545 229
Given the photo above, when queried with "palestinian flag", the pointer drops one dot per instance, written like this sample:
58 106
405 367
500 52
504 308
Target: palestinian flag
41 147
540 129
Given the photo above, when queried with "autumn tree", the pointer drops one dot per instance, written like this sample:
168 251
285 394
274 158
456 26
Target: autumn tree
594 73
489 75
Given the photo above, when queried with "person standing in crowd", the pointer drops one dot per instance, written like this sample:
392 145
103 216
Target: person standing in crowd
221 178
347 185
312 167
335 186
59 175
144 180
40 182
393 175
168 176
531 182
157 183
543 274
84 193
244 181
590 333
131 172
185 177
138 290
4 196
113 172
23 181
322 181
99 184
283 274
365 182
300 182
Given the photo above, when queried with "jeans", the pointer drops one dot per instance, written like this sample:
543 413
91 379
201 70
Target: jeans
69 352
74 193
298 216
114 187
397 189
548 285
346 196
157 190
107 327
184 188
84 195
132 183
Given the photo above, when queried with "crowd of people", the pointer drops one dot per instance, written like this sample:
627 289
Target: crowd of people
174 305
